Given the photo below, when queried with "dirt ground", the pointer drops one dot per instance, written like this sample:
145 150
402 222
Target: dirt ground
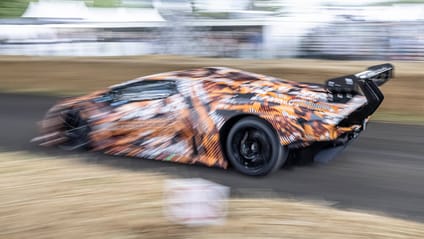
46 197
68 76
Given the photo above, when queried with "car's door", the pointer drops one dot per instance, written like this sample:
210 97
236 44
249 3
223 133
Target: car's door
151 119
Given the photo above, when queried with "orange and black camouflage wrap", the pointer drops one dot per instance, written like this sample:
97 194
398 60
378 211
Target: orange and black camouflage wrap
186 127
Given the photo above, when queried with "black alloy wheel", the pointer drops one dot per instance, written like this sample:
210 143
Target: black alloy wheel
253 148
76 130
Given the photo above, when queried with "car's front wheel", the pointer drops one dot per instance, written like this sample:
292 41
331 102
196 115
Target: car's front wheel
76 130
253 148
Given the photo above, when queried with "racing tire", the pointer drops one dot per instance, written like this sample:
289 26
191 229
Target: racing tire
253 147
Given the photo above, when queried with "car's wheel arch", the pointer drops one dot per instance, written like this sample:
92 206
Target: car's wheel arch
230 122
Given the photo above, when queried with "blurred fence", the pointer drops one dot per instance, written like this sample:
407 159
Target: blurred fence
365 40
341 39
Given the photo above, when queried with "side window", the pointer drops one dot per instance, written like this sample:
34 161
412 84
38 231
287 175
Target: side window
145 90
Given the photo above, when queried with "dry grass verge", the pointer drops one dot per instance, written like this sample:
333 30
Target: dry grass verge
59 75
45 197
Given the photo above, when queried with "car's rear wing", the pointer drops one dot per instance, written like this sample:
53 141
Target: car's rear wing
379 74
343 88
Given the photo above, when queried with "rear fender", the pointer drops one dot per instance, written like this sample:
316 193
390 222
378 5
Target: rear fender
287 130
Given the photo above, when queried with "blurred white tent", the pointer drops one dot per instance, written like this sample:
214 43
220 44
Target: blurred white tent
77 10
124 15
57 9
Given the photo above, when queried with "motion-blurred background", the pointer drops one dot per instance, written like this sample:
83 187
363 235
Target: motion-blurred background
330 29
55 48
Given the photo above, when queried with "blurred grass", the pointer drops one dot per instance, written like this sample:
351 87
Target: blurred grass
404 95
396 117
46 197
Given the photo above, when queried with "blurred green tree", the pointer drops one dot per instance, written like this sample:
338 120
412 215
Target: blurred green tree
103 3
265 5
13 8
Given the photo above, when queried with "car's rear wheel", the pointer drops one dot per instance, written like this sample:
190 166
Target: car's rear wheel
76 130
253 148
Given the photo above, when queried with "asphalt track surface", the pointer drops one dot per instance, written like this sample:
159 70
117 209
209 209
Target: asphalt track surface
382 172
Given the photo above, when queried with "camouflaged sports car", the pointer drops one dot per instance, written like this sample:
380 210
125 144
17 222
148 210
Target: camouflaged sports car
219 116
